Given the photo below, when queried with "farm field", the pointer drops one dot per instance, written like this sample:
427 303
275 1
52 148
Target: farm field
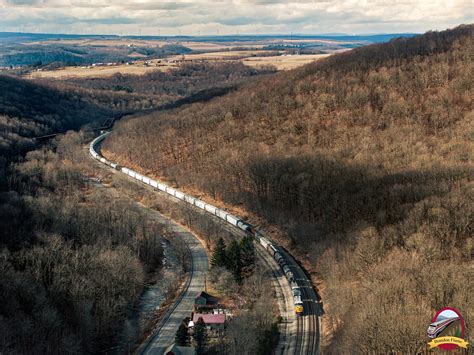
253 59
99 71
284 62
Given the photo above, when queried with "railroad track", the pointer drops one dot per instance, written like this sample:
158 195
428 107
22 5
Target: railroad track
307 333
308 324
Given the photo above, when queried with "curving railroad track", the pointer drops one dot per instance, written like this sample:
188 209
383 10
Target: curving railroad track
305 339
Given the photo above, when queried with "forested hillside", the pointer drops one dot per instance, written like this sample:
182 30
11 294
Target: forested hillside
29 110
73 259
363 161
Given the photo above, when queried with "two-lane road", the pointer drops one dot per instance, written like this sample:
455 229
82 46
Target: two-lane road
165 334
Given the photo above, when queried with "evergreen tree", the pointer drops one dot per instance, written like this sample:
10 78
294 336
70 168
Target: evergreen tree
219 257
182 337
200 336
247 255
233 259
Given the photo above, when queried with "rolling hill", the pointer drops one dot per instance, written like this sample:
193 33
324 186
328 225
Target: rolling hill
29 110
361 163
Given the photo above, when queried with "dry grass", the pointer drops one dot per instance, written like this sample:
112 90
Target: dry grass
283 62
253 58
81 72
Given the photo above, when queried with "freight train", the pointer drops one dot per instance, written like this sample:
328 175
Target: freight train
269 246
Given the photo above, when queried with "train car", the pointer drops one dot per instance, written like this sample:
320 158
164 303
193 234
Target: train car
277 257
170 191
264 242
296 291
154 183
210 208
179 194
232 219
189 199
221 214
200 204
272 250
146 180
244 225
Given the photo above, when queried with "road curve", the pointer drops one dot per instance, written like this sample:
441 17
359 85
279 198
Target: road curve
308 330
165 333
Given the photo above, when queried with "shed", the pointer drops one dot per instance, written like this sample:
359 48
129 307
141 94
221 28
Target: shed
205 300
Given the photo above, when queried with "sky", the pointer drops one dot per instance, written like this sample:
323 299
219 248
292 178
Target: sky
134 17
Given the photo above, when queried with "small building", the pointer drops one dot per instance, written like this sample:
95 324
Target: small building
205 302
214 322
174 349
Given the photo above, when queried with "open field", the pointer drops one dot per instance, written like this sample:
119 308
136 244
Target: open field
83 72
251 58
284 62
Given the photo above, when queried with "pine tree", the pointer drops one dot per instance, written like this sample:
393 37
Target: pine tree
247 255
219 257
200 336
233 259
182 337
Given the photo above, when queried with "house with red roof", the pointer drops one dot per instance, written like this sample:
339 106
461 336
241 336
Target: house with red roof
214 322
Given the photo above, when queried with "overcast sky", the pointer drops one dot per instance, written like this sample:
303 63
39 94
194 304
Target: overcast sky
232 17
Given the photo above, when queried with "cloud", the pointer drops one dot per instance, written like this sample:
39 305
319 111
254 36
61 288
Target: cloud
242 16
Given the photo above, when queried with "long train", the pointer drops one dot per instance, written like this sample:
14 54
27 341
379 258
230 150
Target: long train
269 246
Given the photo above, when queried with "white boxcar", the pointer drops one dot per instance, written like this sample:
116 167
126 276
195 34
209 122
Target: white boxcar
146 180
162 187
200 204
232 219
221 214
189 199
153 183
210 208
179 195
170 190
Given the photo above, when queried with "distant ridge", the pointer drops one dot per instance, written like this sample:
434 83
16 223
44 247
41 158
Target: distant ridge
372 38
